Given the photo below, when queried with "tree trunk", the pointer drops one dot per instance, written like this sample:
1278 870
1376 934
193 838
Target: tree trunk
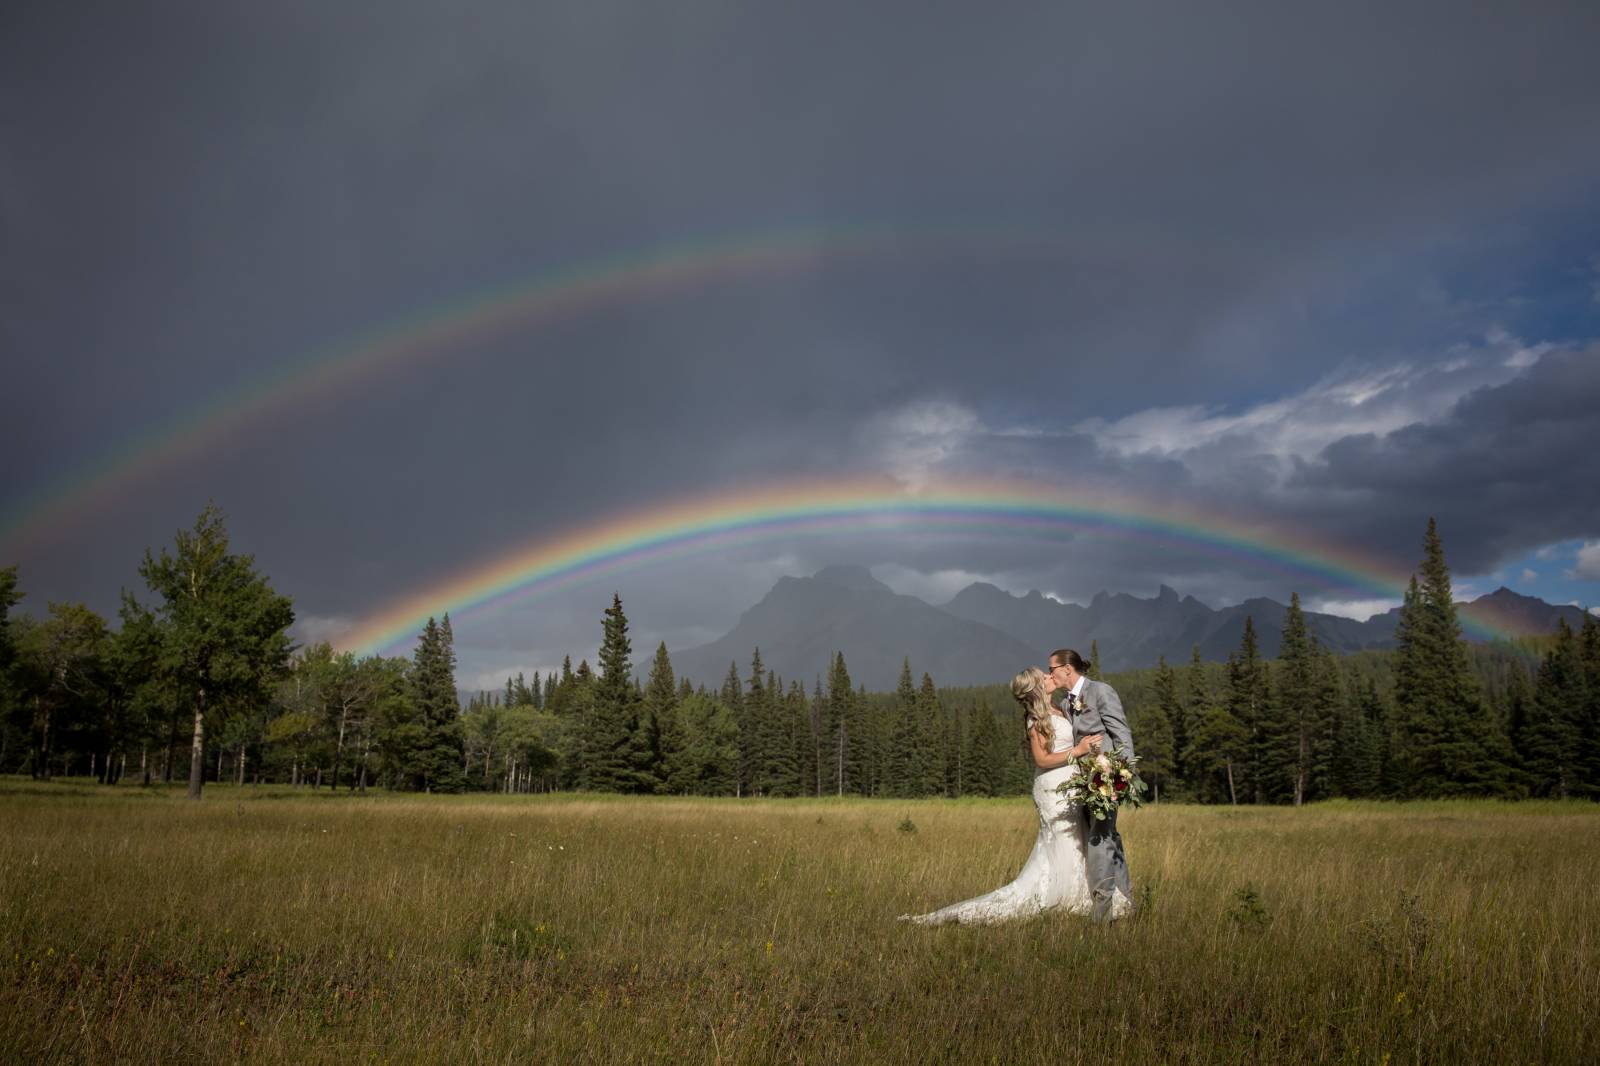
318 785
144 766
1233 796
41 735
239 780
171 757
841 758
197 753
219 764
338 750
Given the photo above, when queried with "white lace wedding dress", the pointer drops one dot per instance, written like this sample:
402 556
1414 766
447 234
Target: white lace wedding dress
1055 876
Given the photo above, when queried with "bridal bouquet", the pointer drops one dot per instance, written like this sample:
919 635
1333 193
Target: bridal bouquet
1104 782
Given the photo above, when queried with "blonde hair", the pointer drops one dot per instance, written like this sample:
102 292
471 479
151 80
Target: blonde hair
1028 688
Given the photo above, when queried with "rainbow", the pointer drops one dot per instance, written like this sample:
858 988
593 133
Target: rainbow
714 522
444 329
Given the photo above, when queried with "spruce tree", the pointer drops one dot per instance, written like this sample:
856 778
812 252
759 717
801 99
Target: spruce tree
983 769
1552 739
1331 708
903 775
1152 724
1095 670
1197 702
955 750
440 756
1445 741
732 698
932 742
1363 772
1249 699
660 707
819 734
612 744
752 729
1286 766
558 696
1218 747
840 718
1588 776
792 740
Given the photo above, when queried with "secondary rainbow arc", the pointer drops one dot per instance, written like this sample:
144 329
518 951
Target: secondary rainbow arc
576 290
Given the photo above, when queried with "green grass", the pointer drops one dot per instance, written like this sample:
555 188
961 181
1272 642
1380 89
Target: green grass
276 926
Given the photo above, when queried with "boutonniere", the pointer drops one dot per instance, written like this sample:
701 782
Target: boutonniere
1074 703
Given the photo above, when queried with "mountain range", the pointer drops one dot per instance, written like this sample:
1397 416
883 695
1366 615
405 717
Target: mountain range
985 634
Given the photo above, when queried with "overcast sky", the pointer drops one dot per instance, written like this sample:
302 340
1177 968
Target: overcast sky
1338 266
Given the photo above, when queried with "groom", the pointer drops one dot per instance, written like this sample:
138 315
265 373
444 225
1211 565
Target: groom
1095 707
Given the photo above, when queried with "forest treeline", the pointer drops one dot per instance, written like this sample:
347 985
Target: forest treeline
202 682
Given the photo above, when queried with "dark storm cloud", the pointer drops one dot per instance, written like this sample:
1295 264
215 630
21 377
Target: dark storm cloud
194 197
1510 468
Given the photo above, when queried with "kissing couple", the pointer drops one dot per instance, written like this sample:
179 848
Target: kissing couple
1077 863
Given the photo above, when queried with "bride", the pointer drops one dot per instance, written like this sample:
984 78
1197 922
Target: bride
1055 875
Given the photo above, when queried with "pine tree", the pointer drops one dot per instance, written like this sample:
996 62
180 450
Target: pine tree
1094 660
1445 742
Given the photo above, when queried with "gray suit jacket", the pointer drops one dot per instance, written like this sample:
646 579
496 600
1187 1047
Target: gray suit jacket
1102 713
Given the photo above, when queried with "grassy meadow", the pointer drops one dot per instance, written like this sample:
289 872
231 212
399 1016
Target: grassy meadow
269 925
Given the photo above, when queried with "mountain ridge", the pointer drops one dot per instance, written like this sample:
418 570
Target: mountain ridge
984 634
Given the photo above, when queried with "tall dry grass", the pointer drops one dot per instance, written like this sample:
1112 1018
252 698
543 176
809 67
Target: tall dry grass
268 926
